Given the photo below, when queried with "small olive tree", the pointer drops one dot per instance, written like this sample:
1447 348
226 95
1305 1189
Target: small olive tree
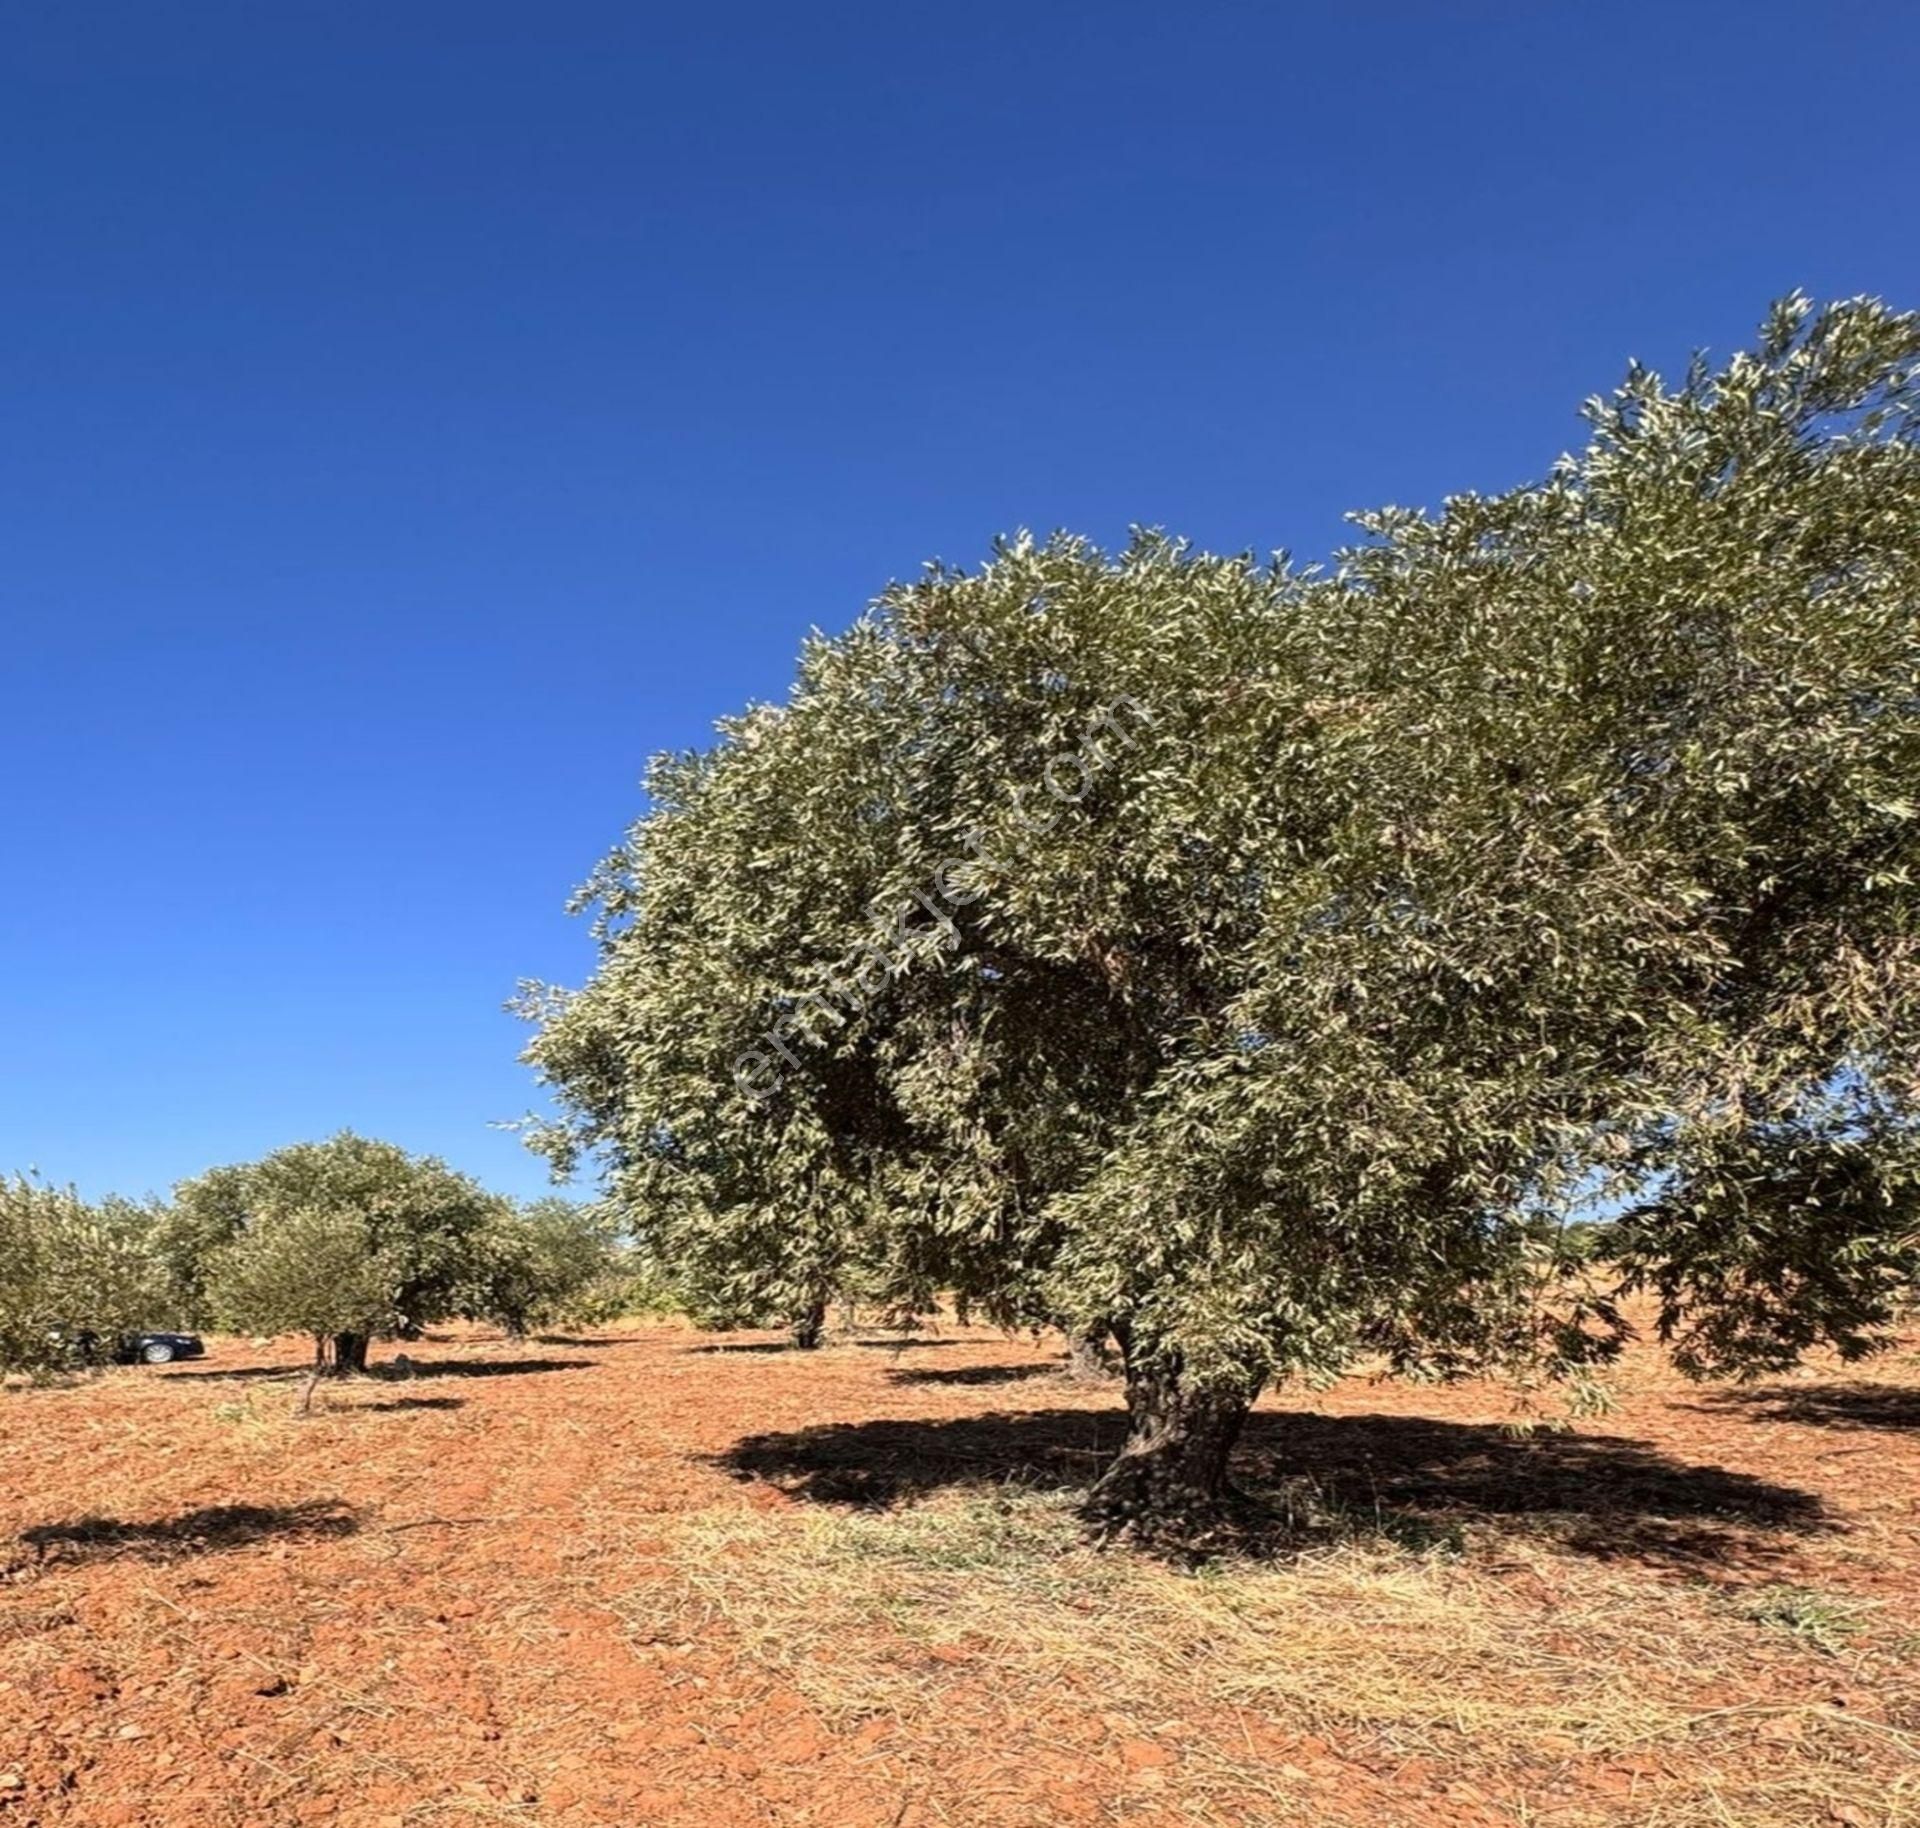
547 1263
306 1269
408 1222
73 1276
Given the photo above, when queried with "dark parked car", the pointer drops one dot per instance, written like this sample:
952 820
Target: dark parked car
157 1348
133 1348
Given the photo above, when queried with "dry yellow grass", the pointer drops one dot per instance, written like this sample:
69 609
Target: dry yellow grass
1597 1706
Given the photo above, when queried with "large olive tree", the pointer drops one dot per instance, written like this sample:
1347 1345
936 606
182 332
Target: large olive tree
1258 964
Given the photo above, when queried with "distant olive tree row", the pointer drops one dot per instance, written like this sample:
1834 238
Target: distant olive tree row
347 1241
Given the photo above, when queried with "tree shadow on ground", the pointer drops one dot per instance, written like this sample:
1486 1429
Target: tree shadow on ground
744 1345
413 1402
207 1531
1888 1406
787 1345
234 1374
386 1369
1601 1494
972 1374
475 1367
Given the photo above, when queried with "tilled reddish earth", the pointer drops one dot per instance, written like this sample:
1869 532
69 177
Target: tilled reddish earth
415 1605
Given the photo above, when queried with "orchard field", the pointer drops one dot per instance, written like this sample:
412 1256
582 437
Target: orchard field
948 922
643 1575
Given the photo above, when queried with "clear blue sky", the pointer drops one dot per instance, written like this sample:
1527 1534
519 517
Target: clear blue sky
416 415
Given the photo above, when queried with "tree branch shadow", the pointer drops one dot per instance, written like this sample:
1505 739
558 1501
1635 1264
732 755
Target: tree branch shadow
206 1531
1890 1406
971 1374
787 1345
743 1345
235 1374
387 1370
476 1367
1603 1495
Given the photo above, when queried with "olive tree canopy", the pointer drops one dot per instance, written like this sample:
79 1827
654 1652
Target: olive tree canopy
307 1269
1263 963
547 1263
347 1239
73 1275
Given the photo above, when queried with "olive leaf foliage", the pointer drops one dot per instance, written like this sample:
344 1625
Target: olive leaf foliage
349 1224
73 1276
1270 961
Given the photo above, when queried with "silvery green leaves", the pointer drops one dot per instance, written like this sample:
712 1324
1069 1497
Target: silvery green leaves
347 1236
73 1276
1553 847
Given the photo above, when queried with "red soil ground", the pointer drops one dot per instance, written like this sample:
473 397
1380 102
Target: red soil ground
417 1605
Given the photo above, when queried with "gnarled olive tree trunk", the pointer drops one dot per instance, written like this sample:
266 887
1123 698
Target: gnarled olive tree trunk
349 1354
1169 1479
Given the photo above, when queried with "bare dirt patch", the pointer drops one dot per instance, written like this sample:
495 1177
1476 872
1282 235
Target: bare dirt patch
645 1577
